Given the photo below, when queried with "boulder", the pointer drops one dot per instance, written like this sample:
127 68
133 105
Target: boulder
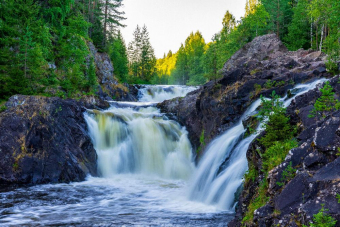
45 140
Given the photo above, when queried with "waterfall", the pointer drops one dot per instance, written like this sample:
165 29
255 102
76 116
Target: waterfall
130 140
159 93
221 170
136 138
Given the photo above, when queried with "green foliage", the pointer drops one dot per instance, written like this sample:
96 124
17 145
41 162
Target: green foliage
338 197
3 108
326 103
300 27
202 141
142 60
269 84
277 153
251 174
287 175
280 15
43 46
118 55
277 126
322 219
258 89
278 141
260 199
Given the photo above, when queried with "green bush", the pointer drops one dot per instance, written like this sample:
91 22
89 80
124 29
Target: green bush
326 103
287 175
277 153
3 108
277 127
323 219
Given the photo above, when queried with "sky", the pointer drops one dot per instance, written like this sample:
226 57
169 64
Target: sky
170 22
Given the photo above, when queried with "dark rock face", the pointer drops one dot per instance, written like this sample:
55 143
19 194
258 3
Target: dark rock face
317 179
45 140
215 107
109 88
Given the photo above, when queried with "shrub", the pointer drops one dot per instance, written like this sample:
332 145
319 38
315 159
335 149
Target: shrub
277 153
287 175
277 127
326 103
323 219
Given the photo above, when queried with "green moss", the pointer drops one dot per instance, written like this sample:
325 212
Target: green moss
259 200
258 89
202 141
3 108
251 174
287 175
276 154
254 71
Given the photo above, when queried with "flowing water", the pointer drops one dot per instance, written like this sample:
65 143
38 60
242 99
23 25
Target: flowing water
220 172
148 177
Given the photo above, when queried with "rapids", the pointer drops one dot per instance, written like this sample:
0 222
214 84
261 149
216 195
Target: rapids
147 172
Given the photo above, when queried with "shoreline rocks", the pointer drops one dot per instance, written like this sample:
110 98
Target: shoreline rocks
45 140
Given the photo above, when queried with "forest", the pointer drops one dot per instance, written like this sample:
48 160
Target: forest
44 44
307 24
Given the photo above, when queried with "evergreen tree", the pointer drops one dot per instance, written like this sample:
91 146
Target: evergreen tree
280 12
118 55
300 27
142 60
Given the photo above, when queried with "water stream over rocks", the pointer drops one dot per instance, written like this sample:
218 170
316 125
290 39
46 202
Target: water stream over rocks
148 175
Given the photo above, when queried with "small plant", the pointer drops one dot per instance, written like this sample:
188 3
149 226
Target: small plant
280 83
259 200
277 126
323 219
251 174
254 71
202 141
269 84
3 108
287 175
258 89
58 109
338 154
326 103
338 197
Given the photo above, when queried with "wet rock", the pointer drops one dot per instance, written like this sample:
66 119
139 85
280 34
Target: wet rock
294 193
109 88
331 172
45 140
217 106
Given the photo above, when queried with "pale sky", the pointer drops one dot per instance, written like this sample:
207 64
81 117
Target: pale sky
170 22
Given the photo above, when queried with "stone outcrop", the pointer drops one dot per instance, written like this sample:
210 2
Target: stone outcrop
317 165
109 88
45 140
259 68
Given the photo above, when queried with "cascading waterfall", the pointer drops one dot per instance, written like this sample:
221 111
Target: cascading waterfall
137 138
220 172
159 93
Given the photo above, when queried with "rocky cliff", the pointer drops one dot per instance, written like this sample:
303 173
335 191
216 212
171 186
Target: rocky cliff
45 140
316 165
109 88
257 69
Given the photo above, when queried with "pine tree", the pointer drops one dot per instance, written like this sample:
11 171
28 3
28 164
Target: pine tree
280 15
112 17
142 60
119 57
299 27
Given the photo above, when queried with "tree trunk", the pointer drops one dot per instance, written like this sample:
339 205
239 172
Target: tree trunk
321 39
105 21
311 34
